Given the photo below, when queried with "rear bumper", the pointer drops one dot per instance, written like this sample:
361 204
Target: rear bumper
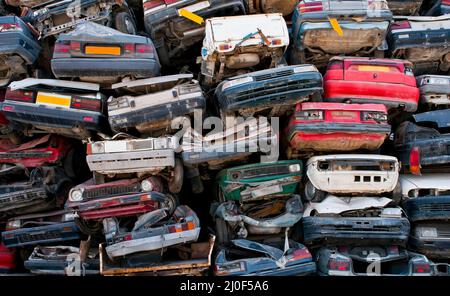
307 268
391 95
428 208
59 118
419 39
86 67
436 249
340 230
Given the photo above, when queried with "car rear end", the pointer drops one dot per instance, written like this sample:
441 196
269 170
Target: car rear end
434 90
279 88
337 127
377 81
431 238
94 52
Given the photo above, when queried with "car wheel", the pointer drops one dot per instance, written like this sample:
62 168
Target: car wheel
123 22
222 233
396 195
176 182
74 163
297 232
89 227
313 194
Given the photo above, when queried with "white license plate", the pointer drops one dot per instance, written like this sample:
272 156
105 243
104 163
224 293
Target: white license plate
196 7
266 191
115 146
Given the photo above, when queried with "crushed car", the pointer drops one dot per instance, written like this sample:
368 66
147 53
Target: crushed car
151 231
215 151
352 174
363 25
241 44
328 127
46 189
19 49
434 90
96 53
54 17
427 204
174 35
7 259
421 144
422 41
285 7
40 229
10 129
74 109
244 257
372 260
191 259
378 81
405 7
137 156
151 105
270 217
273 92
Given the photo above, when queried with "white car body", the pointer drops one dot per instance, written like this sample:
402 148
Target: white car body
433 182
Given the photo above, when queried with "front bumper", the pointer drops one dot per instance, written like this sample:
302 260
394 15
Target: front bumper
432 248
86 67
370 231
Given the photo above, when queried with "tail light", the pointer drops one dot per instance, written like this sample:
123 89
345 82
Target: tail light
277 42
62 49
86 104
379 117
414 161
10 27
401 25
309 115
75 46
226 269
89 149
151 4
19 95
301 254
310 6
339 264
129 48
127 237
393 250
445 2
224 46
144 49
424 267
335 65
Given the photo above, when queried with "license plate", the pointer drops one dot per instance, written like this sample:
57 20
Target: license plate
365 68
344 114
196 7
53 99
266 191
102 50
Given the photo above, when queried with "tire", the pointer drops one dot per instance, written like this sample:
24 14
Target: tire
313 194
297 232
93 228
397 195
176 182
74 163
124 22
222 233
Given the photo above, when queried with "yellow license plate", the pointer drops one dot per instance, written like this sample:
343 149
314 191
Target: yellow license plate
53 99
102 50
374 68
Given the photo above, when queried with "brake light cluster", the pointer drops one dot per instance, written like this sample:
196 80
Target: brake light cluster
414 161
160 4
421 267
445 2
10 27
88 104
339 264
131 48
20 95
309 115
305 7
401 25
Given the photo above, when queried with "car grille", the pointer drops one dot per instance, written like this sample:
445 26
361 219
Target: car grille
443 233
22 196
435 207
273 75
265 171
92 193
7 155
353 228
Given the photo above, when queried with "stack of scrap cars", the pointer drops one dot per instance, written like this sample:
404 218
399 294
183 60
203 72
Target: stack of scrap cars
225 138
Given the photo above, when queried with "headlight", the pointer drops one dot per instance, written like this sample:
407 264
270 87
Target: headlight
69 217
76 195
13 224
294 168
235 82
146 185
426 232
303 69
98 147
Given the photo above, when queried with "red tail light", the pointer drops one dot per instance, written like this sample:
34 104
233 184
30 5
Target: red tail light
339 264
336 65
75 46
89 149
62 48
445 2
414 161
19 95
310 6
144 48
421 268
401 25
129 48
85 104
9 27
153 3
127 237
301 254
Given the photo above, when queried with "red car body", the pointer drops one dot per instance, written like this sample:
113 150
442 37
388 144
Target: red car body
35 153
116 199
337 127
3 120
7 259
363 80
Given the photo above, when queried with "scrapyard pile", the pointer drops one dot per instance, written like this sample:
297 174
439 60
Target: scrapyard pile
219 137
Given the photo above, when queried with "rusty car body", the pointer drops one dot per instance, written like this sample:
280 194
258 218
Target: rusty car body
285 7
173 34
96 53
328 127
19 49
53 17
249 258
153 104
241 44
74 109
422 41
405 7
434 90
273 91
152 231
422 143
140 156
364 26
